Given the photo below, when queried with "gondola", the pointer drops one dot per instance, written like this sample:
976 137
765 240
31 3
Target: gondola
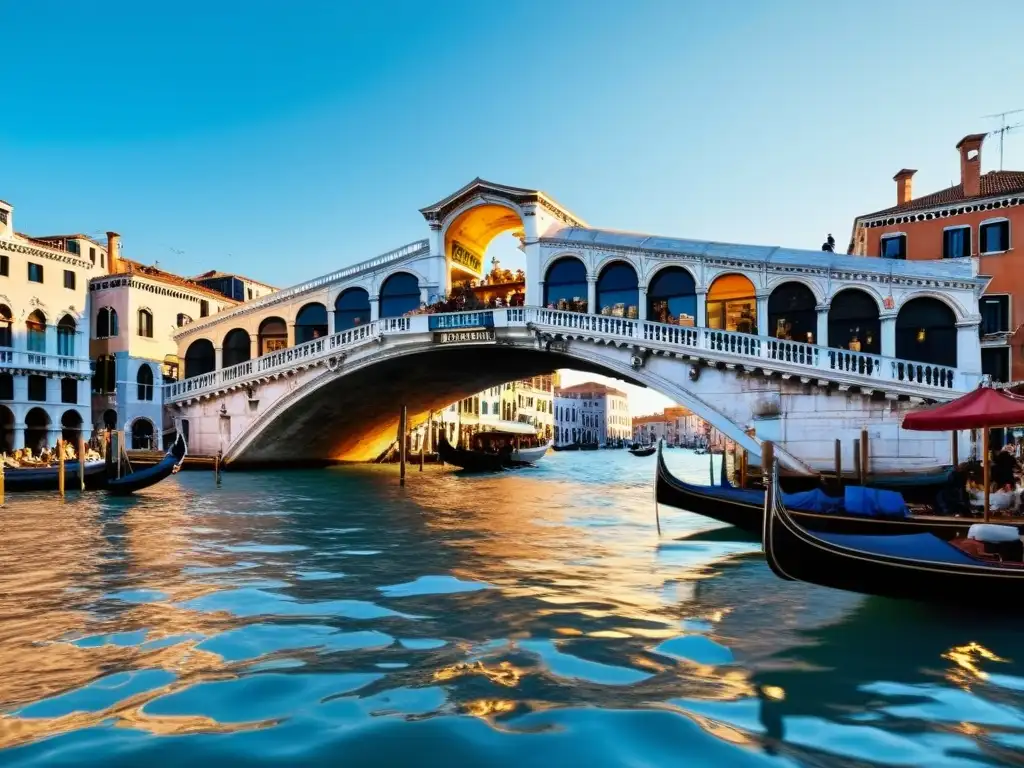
566 447
916 566
745 510
643 450
482 461
144 478
47 478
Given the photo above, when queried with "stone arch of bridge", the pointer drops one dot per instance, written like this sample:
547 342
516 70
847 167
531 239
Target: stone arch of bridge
468 230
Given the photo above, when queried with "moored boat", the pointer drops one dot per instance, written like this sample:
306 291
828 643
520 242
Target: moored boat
144 478
643 450
18 479
918 566
817 511
494 451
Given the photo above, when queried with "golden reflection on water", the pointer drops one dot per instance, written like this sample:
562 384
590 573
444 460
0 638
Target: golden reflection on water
967 659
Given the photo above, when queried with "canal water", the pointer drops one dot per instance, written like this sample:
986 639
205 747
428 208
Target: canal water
529 618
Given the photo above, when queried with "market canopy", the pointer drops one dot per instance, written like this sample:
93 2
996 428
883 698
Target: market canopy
984 408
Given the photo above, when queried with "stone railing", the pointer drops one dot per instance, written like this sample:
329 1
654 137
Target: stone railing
23 360
798 358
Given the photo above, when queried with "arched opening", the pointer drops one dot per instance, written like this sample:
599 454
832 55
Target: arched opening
311 323
351 309
199 358
272 335
35 327
853 322
66 330
144 381
235 347
110 419
565 285
791 313
732 305
505 282
106 323
142 435
6 429
468 238
399 295
926 332
104 381
618 290
145 323
71 427
6 324
672 297
37 427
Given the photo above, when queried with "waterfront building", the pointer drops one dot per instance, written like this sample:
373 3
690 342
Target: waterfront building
677 425
979 219
591 413
236 287
136 310
650 429
44 332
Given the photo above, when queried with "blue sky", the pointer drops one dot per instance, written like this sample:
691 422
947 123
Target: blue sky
283 140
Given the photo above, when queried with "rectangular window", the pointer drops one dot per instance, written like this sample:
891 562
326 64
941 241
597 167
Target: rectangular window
69 279
37 388
995 314
5 266
69 391
995 236
893 247
995 362
204 308
73 247
103 263
35 273
956 242
92 255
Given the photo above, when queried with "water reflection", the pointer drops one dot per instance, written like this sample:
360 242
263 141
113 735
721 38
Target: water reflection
529 617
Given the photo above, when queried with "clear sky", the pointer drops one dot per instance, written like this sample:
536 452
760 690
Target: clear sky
284 140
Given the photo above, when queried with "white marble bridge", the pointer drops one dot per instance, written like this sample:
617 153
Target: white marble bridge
319 371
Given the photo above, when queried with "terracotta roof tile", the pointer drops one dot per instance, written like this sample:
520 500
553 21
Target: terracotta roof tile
993 183
588 387
155 273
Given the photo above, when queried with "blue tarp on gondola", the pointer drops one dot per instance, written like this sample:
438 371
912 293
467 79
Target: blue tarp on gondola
815 500
874 502
916 546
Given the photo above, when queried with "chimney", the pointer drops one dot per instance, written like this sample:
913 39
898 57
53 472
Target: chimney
970 163
113 253
904 185
6 218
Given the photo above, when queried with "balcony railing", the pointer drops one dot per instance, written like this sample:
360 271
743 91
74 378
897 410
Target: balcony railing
19 359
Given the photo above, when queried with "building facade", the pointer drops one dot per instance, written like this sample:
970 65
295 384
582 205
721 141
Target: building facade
44 332
979 218
591 413
238 288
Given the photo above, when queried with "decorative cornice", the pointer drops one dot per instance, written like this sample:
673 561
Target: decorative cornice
161 289
942 211
46 253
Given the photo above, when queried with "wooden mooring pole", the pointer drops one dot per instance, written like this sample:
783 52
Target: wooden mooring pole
60 467
743 468
856 458
955 450
423 440
865 457
81 462
1 483
402 428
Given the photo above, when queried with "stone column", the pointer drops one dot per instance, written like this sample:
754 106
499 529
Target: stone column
641 310
218 358
762 315
291 334
888 334
254 346
821 336
374 308
330 321
592 307
968 348
702 308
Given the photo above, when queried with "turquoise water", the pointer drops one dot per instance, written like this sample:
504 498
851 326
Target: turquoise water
529 618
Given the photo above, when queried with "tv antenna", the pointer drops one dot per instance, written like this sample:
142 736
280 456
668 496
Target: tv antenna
1004 129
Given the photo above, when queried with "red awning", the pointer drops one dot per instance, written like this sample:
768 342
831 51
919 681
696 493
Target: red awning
983 408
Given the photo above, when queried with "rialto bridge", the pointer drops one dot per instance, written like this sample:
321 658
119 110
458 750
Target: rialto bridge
801 346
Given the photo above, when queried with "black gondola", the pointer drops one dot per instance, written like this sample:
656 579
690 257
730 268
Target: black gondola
566 447
47 478
745 510
143 478
483 461
918 566
643 450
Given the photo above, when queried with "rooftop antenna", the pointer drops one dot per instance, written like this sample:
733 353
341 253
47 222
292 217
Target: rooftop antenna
1003 129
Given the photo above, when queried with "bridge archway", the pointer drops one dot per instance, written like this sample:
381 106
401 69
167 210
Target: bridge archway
200 358
351 309
732 304
672 297
791 312
470 232
926 332
853 322
235 347
399 295
618 287
272 335
310 322
565 285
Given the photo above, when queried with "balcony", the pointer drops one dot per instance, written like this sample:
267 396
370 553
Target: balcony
21 361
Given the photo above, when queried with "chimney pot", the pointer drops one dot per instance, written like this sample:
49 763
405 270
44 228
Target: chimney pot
113 253
904 185
970 163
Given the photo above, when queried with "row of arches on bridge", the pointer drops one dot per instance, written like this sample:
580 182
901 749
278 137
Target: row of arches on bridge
925 326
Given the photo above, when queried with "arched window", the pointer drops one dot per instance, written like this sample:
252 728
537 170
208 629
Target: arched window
144 379
199 358
672 297
106 323
791 313
66 330
6 324
183 319
853 322
235 347
103 377
35 327
565 285
618 292
926 332
145 323
272 335
142 435
351 308
399 295
310 323
732 305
